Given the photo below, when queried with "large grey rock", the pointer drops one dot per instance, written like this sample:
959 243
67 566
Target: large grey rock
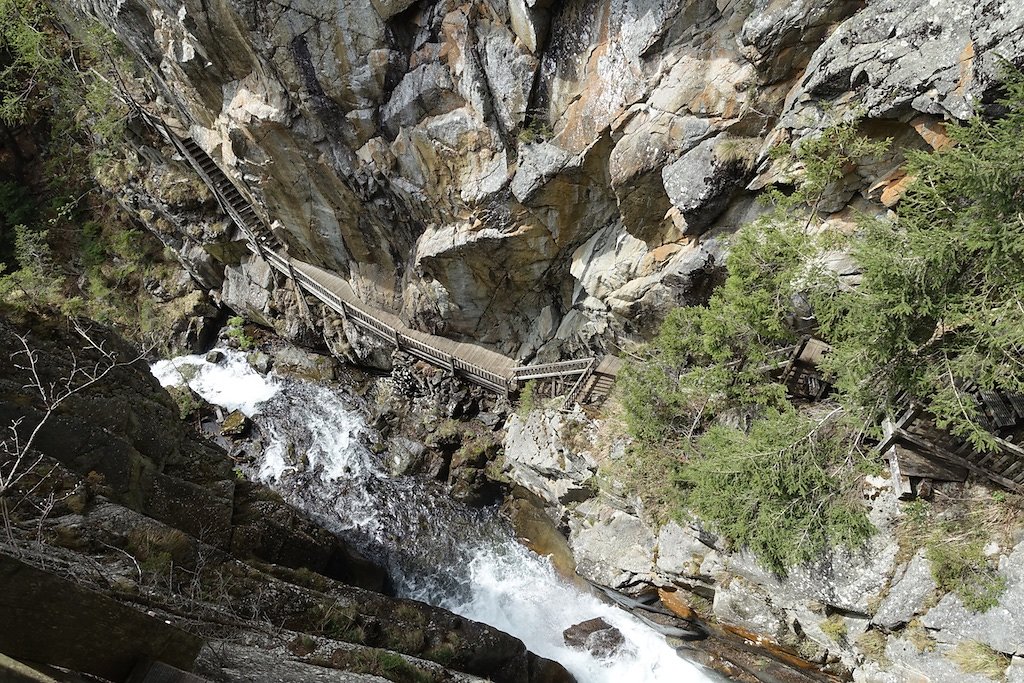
701 182
369 130
611 546
847 580
247 290
305 364
681 550
425 91
742 604
907 594
1001 628
1015 674
538 458
906 661
932 56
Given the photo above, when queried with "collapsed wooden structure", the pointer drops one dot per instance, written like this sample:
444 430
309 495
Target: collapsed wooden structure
918 451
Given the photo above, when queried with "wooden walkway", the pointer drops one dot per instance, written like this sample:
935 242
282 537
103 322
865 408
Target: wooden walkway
591 378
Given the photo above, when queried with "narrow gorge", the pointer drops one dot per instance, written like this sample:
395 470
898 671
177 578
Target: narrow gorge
517 340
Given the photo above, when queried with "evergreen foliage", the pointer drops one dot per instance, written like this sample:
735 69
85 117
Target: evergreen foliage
938 306
62 245
778 489
773 487
940 303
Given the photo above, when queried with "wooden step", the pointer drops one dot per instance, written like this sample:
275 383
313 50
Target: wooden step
1001 414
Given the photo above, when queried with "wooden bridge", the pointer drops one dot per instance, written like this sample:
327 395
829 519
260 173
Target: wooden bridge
586 380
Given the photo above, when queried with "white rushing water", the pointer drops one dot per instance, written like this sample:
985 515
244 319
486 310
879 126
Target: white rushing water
439 551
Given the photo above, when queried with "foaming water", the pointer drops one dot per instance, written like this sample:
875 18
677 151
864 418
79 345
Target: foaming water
521 593
437 550
231 384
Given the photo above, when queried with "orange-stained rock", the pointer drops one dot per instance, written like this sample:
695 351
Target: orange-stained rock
894 191
676 603
931 131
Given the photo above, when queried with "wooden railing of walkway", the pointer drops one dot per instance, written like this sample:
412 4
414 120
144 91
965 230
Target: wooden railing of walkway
477 364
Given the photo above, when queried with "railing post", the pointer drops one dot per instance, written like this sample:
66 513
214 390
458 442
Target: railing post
398 339
451 364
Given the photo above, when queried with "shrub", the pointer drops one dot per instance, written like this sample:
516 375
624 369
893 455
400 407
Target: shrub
236 331
939 299
778 489
527 398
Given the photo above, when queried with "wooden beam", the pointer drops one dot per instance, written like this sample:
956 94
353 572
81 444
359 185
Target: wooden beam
928 445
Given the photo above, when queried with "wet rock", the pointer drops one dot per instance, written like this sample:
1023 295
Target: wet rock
304 364
235 424
215 356
406 456
536 529
259 361
596 636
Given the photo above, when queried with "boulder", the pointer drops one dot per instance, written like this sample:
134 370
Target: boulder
596 636
702 181
907 594
538 458
235 424
611 546
304 364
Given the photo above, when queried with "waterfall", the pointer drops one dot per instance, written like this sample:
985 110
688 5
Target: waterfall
436 549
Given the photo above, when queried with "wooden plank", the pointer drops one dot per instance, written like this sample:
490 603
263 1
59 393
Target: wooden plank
900 481
1017 402
610 365
927 445
914 464
1014 469
1002 414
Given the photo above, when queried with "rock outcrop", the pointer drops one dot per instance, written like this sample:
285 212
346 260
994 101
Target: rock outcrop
875 613
539 176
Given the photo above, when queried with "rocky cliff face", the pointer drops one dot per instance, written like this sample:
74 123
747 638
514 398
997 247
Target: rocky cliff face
539 175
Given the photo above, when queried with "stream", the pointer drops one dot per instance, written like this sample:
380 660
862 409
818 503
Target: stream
437 550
